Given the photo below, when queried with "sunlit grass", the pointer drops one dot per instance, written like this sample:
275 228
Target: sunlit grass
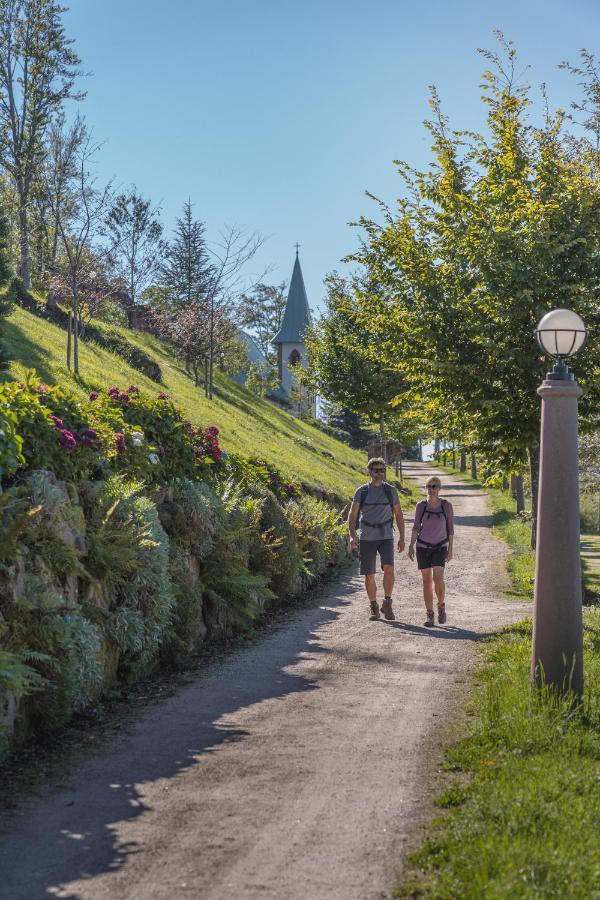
248 425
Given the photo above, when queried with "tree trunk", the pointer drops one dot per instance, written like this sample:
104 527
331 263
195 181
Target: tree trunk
75 331
69 334
382 438
504 483
534 473
401 472
206 377
519 493
454 457
25 267
420 450
436 449
473 466
463 460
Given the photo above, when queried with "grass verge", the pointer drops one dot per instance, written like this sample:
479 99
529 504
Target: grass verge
522 798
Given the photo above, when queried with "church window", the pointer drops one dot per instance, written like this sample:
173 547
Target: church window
294 358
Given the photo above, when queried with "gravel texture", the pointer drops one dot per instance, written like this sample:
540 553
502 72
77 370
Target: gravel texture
300 767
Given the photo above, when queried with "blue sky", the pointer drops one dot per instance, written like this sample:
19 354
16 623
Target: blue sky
278 115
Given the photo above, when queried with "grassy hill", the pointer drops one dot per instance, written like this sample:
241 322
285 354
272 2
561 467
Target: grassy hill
248 424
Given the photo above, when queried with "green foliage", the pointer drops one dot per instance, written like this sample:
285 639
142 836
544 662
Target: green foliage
277 554
235 594
320 533
501 228
128 553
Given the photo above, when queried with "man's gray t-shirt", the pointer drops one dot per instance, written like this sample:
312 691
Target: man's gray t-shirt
377 512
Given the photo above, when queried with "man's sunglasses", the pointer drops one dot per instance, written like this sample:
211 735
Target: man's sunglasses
377 471
433 487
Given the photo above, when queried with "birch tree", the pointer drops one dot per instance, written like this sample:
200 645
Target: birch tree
38 70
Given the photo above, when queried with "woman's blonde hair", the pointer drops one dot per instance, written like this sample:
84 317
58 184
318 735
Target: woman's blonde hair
434 480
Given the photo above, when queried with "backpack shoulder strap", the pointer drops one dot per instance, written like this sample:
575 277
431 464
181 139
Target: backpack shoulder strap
389 493
423 505
364 490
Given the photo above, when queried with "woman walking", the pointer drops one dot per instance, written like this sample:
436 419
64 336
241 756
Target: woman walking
433 534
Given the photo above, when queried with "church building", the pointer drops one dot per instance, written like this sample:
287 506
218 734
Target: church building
291 349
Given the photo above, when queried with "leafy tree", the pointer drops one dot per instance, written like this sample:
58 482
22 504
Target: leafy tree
260 380
498 231
342 361
135 233
185 270
261 312
38 68
346 420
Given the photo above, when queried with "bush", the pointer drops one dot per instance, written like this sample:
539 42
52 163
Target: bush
320 533
128 553
276 553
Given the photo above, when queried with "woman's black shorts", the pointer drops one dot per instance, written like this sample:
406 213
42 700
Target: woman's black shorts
431 556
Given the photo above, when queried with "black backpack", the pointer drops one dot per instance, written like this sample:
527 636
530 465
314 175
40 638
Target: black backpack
364 490
433 512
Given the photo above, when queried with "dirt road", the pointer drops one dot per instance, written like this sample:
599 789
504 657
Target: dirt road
297 768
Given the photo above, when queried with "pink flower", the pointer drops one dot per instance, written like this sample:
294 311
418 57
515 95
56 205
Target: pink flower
163 396
21 385
68 441
113 391
94 395
58 423
212 431
133 389
120 442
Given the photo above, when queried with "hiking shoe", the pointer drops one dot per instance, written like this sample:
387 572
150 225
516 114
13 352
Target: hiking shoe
386 609
374 610
430 620
442 614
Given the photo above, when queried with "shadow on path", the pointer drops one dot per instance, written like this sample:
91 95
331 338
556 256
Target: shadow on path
70 835
443 632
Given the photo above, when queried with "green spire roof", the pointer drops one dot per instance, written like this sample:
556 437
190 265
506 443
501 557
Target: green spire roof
297 312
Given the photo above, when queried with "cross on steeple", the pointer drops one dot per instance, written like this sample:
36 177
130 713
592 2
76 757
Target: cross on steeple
297 246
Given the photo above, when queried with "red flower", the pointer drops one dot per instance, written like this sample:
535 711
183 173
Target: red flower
133 389
94 395
163 396
58 423
68 441
120 442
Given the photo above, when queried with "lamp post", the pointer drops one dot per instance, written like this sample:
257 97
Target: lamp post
557 651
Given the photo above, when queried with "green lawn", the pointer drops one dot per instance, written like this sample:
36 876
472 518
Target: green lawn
520 790
248 425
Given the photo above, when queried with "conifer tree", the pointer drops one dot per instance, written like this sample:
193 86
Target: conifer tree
186 269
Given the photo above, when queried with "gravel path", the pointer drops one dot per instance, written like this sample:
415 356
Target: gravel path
297 768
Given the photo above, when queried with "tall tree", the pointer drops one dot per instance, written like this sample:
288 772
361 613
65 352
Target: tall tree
186 269
135 233
500 229
38 68
261 312
81 225
343 362
228 257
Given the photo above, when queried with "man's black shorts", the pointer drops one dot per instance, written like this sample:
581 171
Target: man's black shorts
431 556
368 551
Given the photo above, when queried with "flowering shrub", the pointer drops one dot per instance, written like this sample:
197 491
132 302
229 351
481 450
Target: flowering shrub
44 427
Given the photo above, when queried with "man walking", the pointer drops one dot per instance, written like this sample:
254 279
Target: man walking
377 505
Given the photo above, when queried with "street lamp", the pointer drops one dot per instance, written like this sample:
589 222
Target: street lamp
557 651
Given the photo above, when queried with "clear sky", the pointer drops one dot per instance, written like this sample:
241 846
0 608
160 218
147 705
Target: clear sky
279 114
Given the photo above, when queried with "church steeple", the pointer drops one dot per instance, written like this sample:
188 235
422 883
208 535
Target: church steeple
296 317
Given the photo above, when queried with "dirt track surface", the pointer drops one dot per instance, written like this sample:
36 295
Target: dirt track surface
297 768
